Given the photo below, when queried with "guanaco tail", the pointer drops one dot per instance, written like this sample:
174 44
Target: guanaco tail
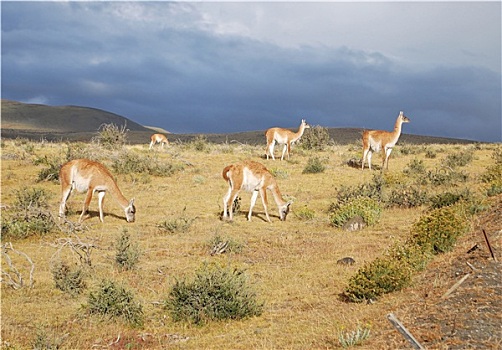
252 177
376 140
87 175
283 136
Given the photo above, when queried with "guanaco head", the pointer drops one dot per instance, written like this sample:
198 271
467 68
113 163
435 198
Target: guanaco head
284 210
305 125
403 118
130 211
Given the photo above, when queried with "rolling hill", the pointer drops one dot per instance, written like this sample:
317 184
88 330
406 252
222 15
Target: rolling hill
75 123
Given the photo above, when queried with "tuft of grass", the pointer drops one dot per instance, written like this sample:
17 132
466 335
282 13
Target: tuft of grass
304 213
179 224
216 293
354 338
127 253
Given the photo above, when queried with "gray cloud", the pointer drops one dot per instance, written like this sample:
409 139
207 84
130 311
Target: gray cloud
191 67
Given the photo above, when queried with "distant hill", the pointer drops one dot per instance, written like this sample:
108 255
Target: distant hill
73 123
43 118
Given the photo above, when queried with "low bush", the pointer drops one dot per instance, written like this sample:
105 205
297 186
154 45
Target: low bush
181 223
219 245
110 136
367 208
113 300
459 159
446 199
129 162
316 138
373 190
51 171
304 213
437 232
406 196
380 276
127 253
216 293
31 215
314 166
68 280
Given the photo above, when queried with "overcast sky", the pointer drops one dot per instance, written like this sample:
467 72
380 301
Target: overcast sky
218 67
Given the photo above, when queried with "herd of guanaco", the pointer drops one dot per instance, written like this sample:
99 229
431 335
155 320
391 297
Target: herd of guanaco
89 176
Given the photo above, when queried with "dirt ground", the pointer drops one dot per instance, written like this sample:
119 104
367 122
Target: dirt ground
470 317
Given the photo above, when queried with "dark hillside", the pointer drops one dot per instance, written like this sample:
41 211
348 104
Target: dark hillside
60 119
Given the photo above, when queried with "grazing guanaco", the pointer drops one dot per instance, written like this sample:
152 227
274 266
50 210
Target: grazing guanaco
87 175
158 138
283 136
376 140
252 177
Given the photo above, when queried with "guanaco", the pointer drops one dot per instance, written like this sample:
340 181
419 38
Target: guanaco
254 177
87 175
376 140
283 136
158 138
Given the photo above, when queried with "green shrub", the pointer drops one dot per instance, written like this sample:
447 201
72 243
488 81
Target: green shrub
459 159
493 174
304 213
314 166
373 190
30 215
129 162
410 254
367 208
111 136
316 138
437 232
115 301
180 224
216 293
446 176
127 253
448 198
68 280
380 276
200 143
430 154
406 196
51 172
415 168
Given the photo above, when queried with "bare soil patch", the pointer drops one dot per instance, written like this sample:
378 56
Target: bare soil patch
471 316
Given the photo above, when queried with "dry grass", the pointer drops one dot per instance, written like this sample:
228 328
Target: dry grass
292 264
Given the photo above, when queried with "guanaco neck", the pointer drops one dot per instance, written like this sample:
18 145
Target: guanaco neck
117 194
276 193
300 132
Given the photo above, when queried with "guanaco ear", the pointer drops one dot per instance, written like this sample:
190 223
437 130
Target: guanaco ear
131 202
401 113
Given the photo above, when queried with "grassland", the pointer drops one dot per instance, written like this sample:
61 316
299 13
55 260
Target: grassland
291 264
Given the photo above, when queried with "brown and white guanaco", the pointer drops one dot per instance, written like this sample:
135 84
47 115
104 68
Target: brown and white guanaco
254 177
158 138
376 140
283 136
88 175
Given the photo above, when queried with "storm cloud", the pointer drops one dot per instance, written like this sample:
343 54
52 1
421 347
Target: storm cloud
228 67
